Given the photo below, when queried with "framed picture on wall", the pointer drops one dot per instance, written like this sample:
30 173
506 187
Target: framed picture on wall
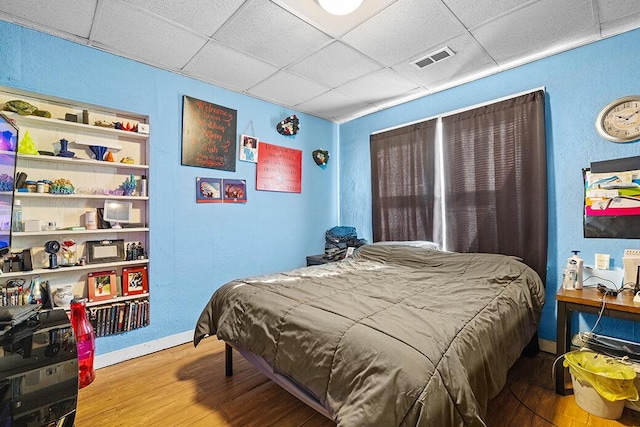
208 190
134 281
102 285
248 148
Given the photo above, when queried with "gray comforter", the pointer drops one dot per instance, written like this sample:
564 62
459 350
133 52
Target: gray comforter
393 336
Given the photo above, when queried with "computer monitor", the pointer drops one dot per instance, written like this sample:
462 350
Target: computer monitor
117 212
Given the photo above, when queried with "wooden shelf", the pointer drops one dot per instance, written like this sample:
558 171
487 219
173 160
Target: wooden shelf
91 177
66 232
20 194
80 161
41 121
59 270
117 299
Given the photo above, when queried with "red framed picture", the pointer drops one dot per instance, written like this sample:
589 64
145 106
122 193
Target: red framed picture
134 280
102 285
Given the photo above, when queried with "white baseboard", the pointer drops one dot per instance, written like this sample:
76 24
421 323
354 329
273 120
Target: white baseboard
128 353
547 346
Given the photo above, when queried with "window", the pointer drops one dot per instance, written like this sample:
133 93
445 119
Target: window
493 184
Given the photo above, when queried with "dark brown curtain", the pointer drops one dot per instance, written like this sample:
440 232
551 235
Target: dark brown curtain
402 182
495 181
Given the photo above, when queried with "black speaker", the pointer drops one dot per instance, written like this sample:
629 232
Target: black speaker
52 247
27 263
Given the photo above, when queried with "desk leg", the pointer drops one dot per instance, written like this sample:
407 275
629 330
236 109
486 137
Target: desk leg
563 342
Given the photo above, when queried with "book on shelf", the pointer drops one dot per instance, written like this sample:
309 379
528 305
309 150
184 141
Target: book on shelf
109 319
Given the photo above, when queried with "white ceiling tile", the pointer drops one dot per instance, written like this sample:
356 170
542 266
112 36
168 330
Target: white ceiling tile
403 29
334 25
377 86
611 10
228 68
122 29
269 32
331 105
620 25
472 13
334 65
203 16
468 58
285 88
71 16
243 45
539 26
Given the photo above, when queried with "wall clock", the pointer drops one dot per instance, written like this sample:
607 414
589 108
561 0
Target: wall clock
619 121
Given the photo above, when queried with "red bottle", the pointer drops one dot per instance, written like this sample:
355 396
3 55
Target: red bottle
85 340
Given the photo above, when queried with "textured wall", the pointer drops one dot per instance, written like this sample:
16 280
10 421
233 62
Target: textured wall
578 84
195 248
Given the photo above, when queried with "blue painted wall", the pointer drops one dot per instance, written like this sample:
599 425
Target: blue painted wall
195 248
578 84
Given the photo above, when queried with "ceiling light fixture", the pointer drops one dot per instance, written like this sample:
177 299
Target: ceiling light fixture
340 7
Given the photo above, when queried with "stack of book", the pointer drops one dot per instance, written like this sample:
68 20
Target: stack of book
119 317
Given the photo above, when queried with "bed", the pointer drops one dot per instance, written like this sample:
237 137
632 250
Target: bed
395 335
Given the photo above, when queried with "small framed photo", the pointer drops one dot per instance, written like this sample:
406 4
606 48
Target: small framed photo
248 148
134 280
208 190
235 190
104 251
102 285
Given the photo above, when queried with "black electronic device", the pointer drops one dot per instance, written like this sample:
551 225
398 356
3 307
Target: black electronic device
52 247
38 369
607 291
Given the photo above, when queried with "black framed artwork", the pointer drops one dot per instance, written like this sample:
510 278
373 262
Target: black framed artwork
208 135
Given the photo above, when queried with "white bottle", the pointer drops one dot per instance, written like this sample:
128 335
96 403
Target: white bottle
579 265
16 218
143 186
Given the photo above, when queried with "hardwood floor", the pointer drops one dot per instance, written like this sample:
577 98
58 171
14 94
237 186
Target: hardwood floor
186 386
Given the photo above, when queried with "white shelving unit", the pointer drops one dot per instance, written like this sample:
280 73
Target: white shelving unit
92 179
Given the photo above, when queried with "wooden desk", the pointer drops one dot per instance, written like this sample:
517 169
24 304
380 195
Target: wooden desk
587 300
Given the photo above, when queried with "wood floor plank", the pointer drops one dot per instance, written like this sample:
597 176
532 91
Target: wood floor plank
186 386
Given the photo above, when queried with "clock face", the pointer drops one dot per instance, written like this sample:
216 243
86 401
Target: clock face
620 120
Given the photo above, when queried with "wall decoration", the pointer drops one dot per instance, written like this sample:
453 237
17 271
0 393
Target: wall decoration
321 157
288 126
134 280
208 190
248 148
208 135
279 169
612 199
235 190
101 285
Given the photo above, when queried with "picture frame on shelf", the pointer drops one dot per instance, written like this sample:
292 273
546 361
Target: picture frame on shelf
102 285
134 281
104 251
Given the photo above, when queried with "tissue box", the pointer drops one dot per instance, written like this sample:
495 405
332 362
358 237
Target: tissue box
33 225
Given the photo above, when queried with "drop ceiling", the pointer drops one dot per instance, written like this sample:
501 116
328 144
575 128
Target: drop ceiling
294 54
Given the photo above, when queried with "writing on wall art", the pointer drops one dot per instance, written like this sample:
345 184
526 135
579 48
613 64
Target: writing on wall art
279 169
208 135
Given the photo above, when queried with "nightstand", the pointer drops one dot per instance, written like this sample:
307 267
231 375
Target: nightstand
586 300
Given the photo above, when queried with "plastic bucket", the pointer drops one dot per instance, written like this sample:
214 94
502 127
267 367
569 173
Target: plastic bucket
590 400
601 384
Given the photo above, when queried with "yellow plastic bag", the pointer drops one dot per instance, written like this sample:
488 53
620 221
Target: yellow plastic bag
613 380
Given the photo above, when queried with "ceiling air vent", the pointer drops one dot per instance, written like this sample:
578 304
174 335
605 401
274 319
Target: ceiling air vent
433 57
